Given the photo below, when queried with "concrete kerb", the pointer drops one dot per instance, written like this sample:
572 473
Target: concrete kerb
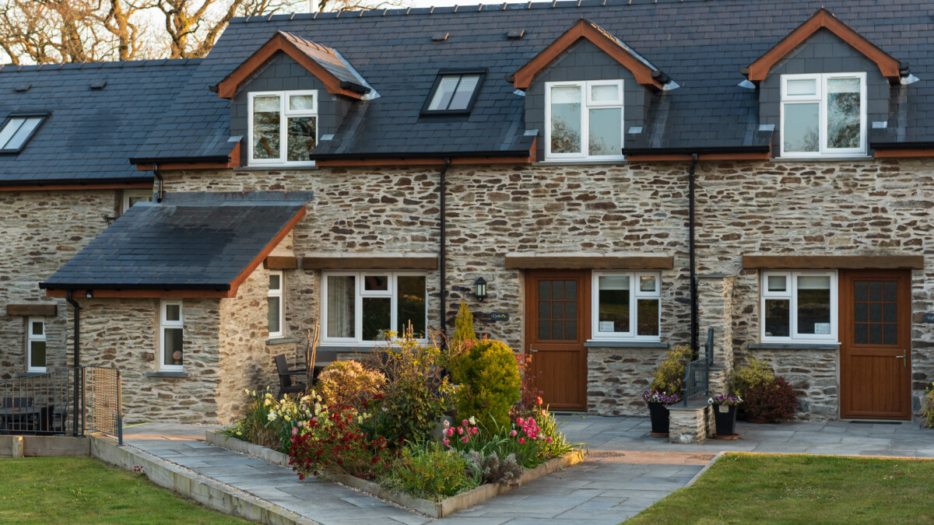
43 446
433 509
705 469
205 491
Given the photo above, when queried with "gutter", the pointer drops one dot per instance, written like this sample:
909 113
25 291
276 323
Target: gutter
423 155
901 145
442 188
133 286
699 151
193 160
77 337
90 183
692 255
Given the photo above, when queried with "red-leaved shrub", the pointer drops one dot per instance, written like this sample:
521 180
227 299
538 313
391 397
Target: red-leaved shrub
334 442
771 401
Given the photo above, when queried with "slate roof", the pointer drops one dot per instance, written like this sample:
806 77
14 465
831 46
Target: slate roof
327 58
195 241
700 44
90 134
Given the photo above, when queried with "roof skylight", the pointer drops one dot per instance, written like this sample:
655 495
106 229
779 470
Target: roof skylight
17 130
454 92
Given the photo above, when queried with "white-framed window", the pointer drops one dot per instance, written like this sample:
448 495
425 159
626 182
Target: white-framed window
35 344
16 131
131 197
823 115
358 308
626 306
799 306
276 315
171 336
283 127
584 120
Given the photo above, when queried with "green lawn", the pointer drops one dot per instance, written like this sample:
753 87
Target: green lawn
743 488
84 490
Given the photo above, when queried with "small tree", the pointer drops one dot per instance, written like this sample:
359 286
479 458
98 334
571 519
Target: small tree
463 327
489 383
669 377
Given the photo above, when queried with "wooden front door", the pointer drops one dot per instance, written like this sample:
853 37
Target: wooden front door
557 324
875 351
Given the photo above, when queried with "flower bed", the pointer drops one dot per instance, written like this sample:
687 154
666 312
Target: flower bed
390 423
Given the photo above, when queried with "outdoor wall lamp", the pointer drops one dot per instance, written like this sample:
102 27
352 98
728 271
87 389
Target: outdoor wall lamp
89 294
480 291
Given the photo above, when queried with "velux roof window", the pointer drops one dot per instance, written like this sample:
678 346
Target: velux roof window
17 130
454 92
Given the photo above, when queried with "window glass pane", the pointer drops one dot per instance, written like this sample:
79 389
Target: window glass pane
777 318
544 290
373 283
890 334
376 317
814 305
606 131
604 93
647 283
443 94
613 307
777 283
570 290
875 334
566 119
801 128
341 307
266 127
37 354
273 316
544 309
647 316
544 330
173 312
133 199
843 113
22 133
173 346
38 328
570 330
302 138
302 102
801 87
411 304
891 292
9 130
465 89
274 281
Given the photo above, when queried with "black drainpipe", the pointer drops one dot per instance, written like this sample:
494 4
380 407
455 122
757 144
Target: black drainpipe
442 188
155 171
691 253
77 357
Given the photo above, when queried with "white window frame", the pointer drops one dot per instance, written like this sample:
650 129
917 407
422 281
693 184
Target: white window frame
632 334
284 114
128 194
791 294
30 337
163 324
586 104
279 294
359 294
820 97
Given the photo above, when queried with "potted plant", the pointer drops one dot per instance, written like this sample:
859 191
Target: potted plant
666 388
724 413
177 356
658 410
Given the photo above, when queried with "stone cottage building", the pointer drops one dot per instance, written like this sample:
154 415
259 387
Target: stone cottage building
622 175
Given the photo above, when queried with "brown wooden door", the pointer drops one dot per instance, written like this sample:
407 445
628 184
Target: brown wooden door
557 324
875 351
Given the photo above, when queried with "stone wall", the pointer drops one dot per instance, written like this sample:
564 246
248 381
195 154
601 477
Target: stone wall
41 231
617 377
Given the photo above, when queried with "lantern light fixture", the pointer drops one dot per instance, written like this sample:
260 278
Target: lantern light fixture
480 290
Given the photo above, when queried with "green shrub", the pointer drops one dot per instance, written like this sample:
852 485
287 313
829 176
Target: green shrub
771 402
430 471
753 374
464 334
348 383
928 411
491 469
669 377
489 383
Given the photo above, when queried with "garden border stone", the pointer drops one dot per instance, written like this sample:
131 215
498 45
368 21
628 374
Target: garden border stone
433 509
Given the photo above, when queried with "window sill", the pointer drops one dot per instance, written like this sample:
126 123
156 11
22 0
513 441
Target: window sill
624 344
31 374
281 341
585 162
277 167
179 375
348 348
795 346
822 158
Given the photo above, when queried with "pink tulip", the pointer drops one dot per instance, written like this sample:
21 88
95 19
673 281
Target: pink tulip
513 433
465 423
447 442
474 430
520 421
548 440
294 431
460 430
522 440
465 439
449 432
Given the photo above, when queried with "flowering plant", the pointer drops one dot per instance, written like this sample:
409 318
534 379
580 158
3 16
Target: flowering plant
333 442
177 355
728 400
654 396
459 437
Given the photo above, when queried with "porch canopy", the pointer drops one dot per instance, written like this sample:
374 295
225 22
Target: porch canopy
189 245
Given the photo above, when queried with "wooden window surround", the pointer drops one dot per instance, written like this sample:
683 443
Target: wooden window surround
32 310
589 263
833 262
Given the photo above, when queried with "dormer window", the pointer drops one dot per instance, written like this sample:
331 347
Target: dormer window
823 115
454 93
16 132
283 127
584 120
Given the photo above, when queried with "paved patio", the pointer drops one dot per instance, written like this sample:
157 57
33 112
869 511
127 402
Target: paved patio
626 472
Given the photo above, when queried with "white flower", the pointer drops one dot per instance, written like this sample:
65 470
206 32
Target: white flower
272 416
473 420
267 402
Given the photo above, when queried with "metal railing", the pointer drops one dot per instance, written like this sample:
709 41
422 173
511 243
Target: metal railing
697 376
72 401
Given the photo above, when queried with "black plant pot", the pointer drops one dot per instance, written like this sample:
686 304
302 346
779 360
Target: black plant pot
726 420
659 414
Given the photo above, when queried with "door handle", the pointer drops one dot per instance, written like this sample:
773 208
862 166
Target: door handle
532 350
904 358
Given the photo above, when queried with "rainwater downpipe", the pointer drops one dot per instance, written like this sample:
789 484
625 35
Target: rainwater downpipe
442 188
691 254
155 171
77 358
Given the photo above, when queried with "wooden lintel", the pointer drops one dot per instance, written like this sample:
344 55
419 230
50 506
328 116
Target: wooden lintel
590 263
280 263
145 294
370 263
89 187
903 153
34 309
833 262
